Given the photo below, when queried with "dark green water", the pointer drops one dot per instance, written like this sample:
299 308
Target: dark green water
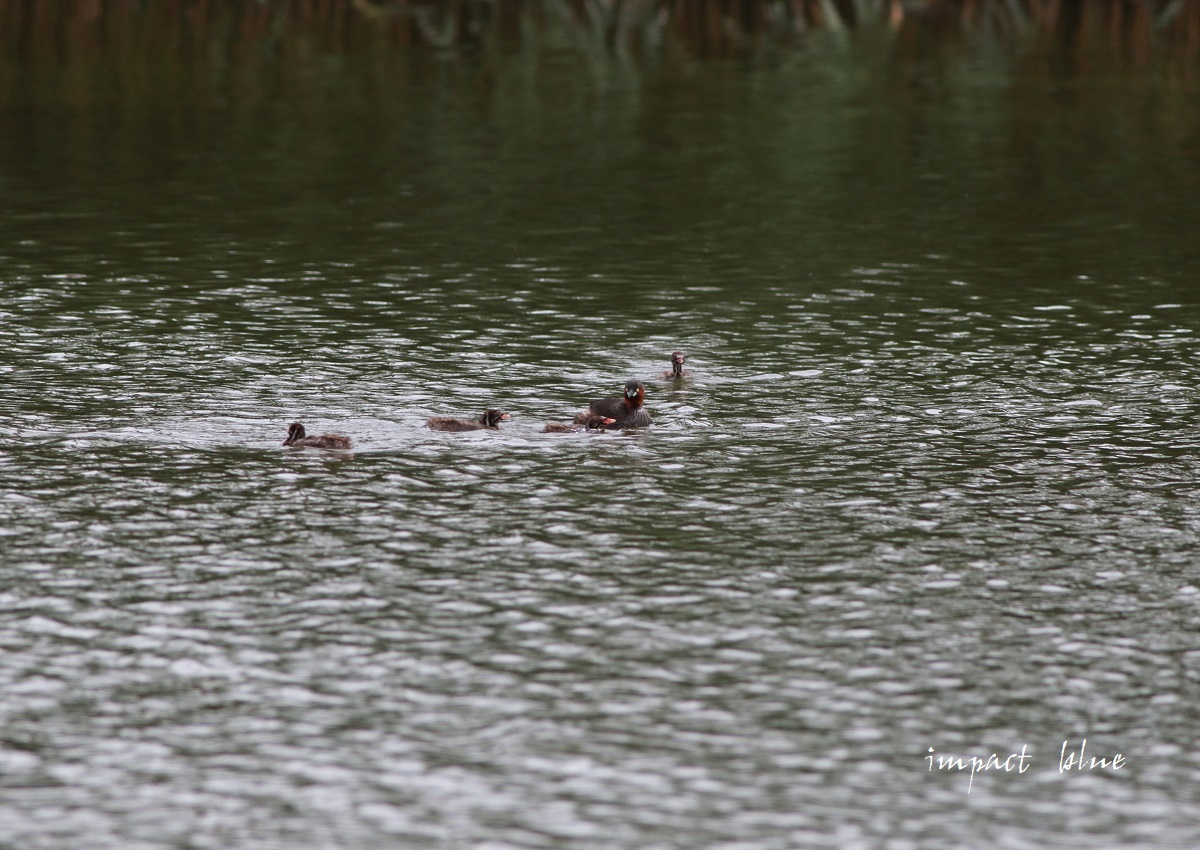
933 482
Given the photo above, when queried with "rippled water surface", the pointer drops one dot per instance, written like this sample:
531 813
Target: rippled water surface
933 482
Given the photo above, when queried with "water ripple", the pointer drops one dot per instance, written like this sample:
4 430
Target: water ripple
868 525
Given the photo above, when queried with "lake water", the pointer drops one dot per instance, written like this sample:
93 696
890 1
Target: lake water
934 482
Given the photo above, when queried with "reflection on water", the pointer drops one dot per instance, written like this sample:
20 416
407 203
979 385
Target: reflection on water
932 484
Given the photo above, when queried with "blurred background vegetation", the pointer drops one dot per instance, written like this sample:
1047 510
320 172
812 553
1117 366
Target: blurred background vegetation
1083 32
486 127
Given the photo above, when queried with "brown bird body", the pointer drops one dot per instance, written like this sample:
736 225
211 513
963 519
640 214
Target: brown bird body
489 421
628 412
296 438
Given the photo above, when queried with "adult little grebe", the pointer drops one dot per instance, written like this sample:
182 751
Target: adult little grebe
676 372
628 412
490 419
590 423
296 437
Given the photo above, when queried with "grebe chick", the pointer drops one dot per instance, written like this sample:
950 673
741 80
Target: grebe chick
676 372
296 437
490 421
590 423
